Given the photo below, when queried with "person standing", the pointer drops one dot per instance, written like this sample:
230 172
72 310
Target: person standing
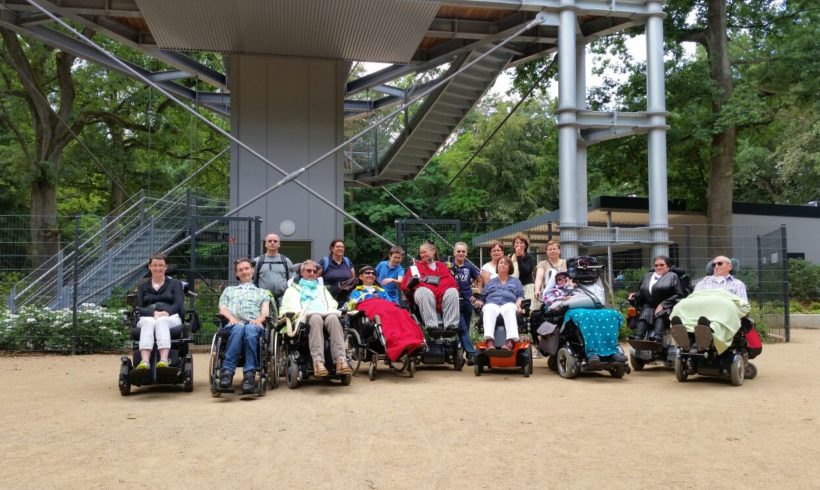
465 273
336 268
523 263
389 273
272 270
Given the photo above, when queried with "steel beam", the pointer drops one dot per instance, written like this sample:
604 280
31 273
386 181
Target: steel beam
77 48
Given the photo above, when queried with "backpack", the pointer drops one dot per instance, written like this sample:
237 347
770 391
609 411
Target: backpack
583 269
260 261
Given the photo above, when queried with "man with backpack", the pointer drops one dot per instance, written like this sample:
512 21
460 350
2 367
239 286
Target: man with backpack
272 270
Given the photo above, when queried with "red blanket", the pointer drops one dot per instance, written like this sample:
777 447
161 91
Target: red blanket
401 334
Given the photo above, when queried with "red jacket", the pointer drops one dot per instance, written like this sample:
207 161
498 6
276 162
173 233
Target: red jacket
446 280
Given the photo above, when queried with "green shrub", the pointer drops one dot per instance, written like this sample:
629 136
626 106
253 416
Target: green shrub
804 280
39 329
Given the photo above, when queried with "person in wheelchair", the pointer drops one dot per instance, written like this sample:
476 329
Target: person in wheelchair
245 308
560 292
658 293
310 302
161 305
433 289
401 334
713 311
503 295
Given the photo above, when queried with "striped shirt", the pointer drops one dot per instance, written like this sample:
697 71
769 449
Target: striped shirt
729 283
244 301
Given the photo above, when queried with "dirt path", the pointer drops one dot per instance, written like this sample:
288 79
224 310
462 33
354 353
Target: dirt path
64 424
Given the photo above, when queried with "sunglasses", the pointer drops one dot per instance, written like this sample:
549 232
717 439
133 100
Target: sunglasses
718 263
312 271
461 251
369 273
660 265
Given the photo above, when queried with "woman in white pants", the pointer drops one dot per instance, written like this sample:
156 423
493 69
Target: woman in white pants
503 294
160 303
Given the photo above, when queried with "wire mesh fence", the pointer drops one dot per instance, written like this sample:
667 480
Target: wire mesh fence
204 248
626 251
201 251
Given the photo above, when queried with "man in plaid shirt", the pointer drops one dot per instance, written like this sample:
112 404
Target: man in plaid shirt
245 307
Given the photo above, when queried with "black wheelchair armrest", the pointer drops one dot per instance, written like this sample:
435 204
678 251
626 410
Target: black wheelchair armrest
192 321
413 282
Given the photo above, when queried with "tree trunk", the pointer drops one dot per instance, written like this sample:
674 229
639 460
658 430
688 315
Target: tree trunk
721 179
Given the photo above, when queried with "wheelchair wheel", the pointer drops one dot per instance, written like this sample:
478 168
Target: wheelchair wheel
737 370
124 383
637 364
552 363
188 370
346 379
411 367
478 368
681 374
567 364
371 371
355 351
213 365
276 367
751 371
292 375
527 368
458 358
618 372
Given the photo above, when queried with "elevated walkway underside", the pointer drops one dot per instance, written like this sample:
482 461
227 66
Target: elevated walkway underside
412 36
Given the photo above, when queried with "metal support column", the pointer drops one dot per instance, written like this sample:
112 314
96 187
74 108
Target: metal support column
582 194
567 131
656 112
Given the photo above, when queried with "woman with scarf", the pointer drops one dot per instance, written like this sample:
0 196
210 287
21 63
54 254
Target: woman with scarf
316 306
401 334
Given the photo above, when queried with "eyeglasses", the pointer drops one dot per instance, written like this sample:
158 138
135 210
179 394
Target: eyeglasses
369 273
461 251
718 263
660 265
311 271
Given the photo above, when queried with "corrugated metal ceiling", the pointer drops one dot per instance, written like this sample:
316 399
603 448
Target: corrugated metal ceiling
387 31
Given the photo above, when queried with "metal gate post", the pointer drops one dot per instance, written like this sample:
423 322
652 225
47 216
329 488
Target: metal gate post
257 241
192 261
785 259
75 281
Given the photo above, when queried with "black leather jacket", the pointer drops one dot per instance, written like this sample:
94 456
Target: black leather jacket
666 292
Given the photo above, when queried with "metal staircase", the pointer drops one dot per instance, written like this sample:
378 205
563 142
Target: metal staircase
113 253
432 124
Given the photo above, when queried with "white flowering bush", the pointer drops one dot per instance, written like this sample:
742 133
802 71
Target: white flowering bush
40 329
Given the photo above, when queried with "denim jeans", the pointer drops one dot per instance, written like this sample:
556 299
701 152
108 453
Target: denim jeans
242 335
466 314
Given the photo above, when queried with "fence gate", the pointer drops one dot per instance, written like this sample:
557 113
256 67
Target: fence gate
410 233
773 280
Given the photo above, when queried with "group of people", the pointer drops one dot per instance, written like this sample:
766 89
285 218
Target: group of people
449 291
713 311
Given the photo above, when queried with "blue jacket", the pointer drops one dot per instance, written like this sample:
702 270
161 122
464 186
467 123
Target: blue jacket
499 294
